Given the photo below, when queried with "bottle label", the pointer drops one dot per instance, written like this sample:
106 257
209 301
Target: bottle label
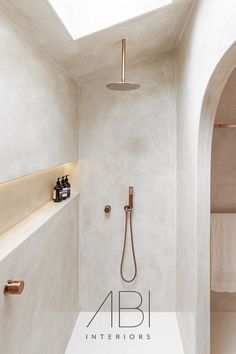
54 194
63 193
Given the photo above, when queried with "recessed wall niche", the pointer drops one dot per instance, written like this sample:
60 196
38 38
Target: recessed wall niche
22 196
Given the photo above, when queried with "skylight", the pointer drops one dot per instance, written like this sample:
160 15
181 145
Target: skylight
83 17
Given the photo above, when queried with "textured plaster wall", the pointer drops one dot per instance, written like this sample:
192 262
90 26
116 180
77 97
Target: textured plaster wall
129 139
38 108
207 37
38 130
41 319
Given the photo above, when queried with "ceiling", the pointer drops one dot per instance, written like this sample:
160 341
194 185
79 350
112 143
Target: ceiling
84 17
89 57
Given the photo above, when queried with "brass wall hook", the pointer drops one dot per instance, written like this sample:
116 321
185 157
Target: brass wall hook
14 287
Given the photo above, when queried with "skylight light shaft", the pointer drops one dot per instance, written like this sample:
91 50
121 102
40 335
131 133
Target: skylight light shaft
83 17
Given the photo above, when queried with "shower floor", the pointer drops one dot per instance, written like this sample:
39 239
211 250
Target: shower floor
100 338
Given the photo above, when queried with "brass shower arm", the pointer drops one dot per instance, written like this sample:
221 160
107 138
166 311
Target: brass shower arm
123 85
123 60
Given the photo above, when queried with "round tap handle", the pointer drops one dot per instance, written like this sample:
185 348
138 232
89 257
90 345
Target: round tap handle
107 209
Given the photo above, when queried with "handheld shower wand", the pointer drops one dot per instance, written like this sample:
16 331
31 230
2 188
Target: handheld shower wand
131 197
128 215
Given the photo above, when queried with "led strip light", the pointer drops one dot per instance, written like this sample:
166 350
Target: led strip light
224 125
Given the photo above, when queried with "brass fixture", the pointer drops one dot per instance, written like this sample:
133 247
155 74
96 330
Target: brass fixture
221 125
123 85
107 209
131 197
14 287
128 220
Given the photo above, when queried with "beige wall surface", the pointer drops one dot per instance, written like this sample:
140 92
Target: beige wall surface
41 319
38 130
209 34
129 139
38 108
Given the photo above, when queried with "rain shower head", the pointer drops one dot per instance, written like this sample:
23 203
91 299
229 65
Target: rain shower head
123 85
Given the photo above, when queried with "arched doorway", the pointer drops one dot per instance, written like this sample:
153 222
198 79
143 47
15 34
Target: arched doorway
209 107
223 223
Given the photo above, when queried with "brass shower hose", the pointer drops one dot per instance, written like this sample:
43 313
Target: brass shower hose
128 215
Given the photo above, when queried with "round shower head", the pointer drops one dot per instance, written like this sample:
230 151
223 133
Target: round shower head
123 85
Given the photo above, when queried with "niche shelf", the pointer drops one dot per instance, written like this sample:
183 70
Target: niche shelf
23 196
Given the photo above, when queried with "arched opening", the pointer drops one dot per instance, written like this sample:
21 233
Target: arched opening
223 223
208 113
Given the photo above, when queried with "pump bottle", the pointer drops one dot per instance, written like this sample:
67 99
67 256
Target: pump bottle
57 192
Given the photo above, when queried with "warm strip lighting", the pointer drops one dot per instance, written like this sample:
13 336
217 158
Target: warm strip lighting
83 17
221 125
